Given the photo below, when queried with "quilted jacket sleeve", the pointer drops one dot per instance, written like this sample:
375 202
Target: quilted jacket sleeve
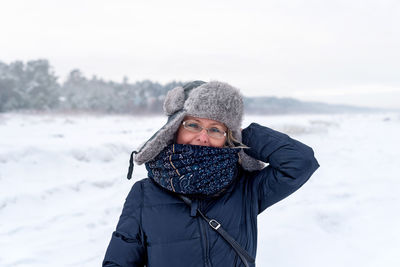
291 164
126 245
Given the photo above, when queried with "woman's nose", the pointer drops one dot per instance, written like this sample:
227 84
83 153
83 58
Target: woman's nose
203 136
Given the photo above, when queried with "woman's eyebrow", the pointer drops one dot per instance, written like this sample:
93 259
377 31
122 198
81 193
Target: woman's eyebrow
218 124
211 124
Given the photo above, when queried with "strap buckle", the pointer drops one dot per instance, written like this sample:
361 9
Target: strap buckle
214 224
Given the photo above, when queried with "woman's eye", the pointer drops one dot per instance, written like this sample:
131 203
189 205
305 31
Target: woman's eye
193 125
215 130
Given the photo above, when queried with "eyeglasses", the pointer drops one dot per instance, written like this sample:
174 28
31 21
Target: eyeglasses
195 127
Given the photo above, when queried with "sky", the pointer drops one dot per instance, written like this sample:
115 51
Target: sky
340 51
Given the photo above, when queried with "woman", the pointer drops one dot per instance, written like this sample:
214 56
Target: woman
207 183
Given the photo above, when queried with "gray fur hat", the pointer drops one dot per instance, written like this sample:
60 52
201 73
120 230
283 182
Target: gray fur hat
213 100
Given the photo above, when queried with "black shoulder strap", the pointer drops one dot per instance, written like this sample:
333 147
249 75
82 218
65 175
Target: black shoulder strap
214 224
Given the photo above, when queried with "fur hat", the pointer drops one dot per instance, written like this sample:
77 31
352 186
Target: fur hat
213 100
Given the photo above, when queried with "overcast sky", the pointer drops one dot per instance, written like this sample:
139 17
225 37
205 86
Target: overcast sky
345 51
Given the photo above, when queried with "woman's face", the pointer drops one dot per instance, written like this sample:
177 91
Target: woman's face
187 137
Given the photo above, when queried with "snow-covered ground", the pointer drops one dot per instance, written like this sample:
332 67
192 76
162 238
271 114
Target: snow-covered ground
62 187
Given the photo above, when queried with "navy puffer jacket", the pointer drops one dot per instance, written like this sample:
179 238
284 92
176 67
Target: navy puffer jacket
157 229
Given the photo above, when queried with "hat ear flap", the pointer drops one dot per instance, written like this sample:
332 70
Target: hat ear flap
248 163
174 100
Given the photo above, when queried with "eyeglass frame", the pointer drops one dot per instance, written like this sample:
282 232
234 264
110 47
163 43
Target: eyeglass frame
203 128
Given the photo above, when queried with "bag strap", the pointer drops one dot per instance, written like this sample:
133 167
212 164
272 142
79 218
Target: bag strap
214 224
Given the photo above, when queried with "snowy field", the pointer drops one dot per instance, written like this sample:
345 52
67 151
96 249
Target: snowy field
62 187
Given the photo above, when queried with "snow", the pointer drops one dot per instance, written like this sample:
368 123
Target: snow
62 187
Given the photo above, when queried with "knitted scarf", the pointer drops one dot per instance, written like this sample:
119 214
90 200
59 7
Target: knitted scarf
194 170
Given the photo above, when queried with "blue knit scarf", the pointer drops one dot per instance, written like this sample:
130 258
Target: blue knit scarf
194 170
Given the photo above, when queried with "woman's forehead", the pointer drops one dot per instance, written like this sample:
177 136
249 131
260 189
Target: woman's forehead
205 121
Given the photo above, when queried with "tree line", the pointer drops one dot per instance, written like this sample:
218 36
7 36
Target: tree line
34 86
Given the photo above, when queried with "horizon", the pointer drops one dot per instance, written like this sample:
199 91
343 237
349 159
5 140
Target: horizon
180 81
